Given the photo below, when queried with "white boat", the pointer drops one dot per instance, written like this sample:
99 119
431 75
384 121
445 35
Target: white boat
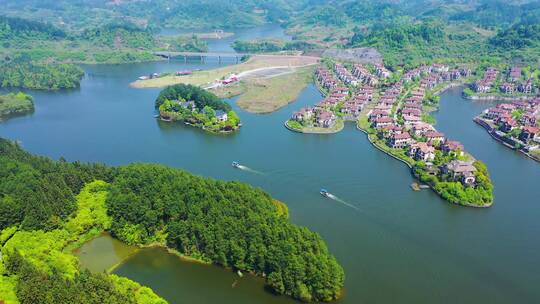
324 193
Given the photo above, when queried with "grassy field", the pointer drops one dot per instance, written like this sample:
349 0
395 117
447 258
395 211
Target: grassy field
203 78
340 124
535 153
265 95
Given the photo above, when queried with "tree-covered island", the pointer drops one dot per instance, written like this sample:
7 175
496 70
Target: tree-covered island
197 107
15 104
48 208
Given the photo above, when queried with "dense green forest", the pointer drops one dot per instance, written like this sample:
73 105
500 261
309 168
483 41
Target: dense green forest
270 45
116 42
119 35
518 36
47 207
169 13
405 32
40 76
201 97
227 223
14 104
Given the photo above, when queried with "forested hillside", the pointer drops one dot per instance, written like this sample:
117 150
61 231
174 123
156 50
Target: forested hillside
406 32
48 206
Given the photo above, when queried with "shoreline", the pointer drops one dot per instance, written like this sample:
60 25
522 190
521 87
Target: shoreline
333 131
415 176
496 97
481 122
200 128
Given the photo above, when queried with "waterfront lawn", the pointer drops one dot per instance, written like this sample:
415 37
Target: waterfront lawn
363 123
265 95
535 154
338 126
400 154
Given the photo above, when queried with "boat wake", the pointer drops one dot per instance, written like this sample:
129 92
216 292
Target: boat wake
337 199
248 169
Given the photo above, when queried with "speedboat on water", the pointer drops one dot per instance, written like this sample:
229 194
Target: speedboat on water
324 193
235 164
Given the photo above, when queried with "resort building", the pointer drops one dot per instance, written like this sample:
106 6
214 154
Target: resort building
450 146
400 141
434 136
303 115
222 116
528 133
460 171
326 119
422 151
507 88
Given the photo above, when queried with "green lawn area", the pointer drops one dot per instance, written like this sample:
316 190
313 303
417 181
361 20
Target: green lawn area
266 95
535 153
340 124
203 78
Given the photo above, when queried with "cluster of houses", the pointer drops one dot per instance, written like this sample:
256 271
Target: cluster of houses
404 129
322 114
435 74
326 79
519 115
364 76
382 72
351 108
485 84
514 84
360 75
345 75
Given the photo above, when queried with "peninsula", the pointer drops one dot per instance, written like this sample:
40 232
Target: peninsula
229 224
393 110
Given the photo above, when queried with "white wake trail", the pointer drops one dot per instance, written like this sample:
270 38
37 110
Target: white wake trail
248 169
337 199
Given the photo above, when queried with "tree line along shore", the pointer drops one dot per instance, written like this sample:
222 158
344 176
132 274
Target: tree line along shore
229 224
15 104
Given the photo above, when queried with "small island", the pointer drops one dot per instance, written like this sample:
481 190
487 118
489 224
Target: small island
196 107
15 104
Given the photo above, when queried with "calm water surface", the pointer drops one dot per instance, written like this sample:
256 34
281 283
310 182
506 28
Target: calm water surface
399 247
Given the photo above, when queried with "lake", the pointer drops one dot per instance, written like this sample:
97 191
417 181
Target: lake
400 246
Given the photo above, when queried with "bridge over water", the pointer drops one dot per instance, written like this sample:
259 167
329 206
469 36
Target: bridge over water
201 55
